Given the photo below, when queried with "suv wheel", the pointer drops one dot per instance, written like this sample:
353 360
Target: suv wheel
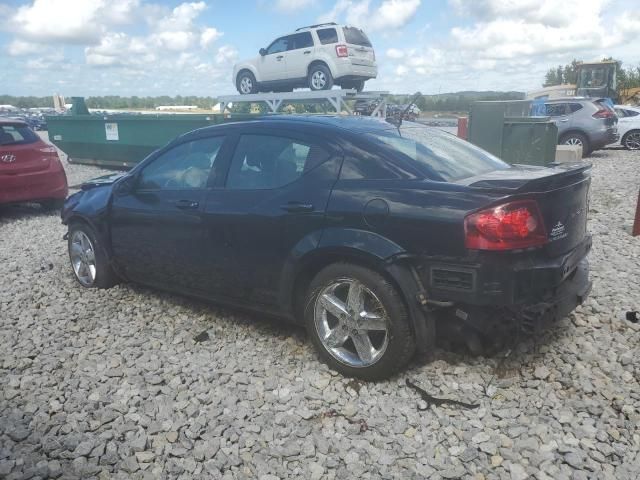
246 83
320 78
358 322
631 140
89 261
576 139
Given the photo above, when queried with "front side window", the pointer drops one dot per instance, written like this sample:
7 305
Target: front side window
437 154
16 135
631 113
187 166
281 44
266 161
327 36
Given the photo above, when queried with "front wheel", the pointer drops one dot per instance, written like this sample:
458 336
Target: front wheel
320 78
358 322
246 83
88 258
631 140
576 139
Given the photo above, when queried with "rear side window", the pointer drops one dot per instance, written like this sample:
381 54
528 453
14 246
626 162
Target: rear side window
301 40
631 113
17 135
266 161
439 155
327 35
574 107
355 36
556 109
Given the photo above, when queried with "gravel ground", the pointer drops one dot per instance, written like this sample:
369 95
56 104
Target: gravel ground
112 384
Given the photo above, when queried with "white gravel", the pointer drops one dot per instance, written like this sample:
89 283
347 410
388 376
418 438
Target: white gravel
111 384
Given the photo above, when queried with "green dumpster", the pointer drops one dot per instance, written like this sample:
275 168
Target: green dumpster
123 140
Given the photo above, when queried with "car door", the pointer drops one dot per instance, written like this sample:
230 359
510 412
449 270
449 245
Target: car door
157 224
275 198
300 55
273 65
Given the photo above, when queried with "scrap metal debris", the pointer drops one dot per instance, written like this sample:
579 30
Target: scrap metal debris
360 421
430 400
201 337
633 317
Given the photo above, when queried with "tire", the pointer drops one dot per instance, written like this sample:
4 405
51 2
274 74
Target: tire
576 138
84 247
246 83
390 340
357 85
52 205
631 140
319 78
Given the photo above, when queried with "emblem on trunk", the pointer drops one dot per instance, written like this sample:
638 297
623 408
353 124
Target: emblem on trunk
557 232
8 158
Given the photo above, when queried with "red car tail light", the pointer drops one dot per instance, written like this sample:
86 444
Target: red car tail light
604 113
342 51
510 226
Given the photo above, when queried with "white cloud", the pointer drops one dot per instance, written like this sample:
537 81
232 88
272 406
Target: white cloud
208 36
395 53
226 54
290 6
18 48
390 14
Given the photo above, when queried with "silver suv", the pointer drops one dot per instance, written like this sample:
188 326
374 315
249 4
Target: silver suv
587 122
317 57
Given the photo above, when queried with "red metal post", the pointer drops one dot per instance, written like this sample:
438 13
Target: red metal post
463 124
636 223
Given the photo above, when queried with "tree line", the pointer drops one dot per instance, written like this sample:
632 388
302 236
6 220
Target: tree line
626 78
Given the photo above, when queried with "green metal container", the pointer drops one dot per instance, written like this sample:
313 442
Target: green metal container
123 140
505 129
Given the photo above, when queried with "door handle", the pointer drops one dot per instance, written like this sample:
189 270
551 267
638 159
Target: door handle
564 119
279 57
187 204
297 207
307 52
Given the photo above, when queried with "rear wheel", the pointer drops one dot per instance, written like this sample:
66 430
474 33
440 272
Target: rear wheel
246 83
320 77
88 257
576 139
631 140
358 322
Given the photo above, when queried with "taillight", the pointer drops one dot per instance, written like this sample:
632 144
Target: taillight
604 113
510 226
342 51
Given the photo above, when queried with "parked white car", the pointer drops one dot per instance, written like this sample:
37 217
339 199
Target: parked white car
317 57
629 126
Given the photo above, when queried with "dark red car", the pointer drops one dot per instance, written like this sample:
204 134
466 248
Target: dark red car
30 170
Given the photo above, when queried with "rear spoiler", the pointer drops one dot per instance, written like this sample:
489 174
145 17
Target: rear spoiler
529 178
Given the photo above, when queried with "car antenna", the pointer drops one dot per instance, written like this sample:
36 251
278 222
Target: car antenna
406 110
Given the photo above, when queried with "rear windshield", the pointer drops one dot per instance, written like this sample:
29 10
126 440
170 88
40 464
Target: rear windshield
355 36
16 135
439 155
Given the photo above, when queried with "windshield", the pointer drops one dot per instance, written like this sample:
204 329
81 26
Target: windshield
440 155
16 135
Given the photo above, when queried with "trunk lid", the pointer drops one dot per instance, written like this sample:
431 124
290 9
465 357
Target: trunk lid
26 158
562 194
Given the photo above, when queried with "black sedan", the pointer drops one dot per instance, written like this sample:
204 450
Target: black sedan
373 236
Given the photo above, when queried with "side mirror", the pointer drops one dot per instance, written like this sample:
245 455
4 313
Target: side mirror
262 51
126 185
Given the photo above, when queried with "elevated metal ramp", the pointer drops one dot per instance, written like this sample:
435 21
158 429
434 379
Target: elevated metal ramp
336 98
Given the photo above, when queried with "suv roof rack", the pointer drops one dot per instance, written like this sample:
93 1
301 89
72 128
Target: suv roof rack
314 26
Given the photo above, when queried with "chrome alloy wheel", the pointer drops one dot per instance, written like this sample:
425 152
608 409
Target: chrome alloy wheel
83 258
632 141
246 85
351 323
573 141
318 80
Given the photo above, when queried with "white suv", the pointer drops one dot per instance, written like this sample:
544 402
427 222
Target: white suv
317 57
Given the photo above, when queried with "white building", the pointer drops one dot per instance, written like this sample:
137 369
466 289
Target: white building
176 107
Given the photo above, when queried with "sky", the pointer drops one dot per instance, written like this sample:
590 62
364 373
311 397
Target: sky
164 47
